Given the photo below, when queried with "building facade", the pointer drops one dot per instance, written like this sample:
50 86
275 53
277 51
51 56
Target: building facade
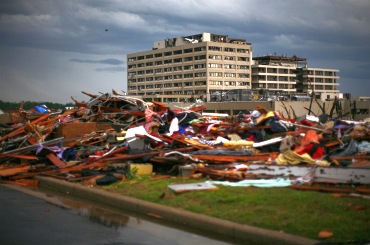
321 81
190 67
291 75
277 73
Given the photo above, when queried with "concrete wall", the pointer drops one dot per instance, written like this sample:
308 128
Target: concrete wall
300 108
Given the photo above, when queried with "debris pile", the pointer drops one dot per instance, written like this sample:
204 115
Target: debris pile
99 141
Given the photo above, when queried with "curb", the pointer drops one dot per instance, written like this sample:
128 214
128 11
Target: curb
231 230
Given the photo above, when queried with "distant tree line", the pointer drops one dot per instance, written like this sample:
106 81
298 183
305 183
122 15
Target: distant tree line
27 105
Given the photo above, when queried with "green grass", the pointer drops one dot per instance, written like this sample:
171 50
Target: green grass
302 213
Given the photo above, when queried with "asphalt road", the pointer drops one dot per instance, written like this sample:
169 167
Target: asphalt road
29 217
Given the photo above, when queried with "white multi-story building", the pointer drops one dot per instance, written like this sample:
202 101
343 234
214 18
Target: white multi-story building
203 65
190 67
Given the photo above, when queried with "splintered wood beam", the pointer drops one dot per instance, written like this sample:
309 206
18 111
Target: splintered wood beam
21 182
13 171
229 159
22 129
148 154
26 157
56 161
350 157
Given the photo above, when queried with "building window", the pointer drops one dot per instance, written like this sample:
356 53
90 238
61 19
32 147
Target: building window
215 57
217 83
140 57
176 52
214 48
188 75
212 65
198 49
157 55
149 64
243 84
242 50
189 67
215 74
177 60
159 62
271 78
190 58
188 50
226 74
200 74
149 56
200 57
241 58
228 66
199 66
131 59
227 49
229 58
242 67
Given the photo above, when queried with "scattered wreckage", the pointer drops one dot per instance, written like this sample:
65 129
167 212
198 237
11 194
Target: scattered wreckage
111 136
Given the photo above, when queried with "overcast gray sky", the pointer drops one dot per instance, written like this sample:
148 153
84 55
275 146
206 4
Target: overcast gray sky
52 50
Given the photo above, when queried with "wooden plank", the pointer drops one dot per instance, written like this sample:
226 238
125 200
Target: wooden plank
21 182
13 171
26 157
228 159
56 161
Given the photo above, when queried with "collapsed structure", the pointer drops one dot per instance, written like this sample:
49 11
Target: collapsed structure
112 135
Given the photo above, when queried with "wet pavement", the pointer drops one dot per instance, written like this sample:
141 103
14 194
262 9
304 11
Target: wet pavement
33 217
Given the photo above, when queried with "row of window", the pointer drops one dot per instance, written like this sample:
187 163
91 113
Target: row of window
189 67
188 59
274 70
187 75
272 86
320 73
189 50
321 80
188 84
274 78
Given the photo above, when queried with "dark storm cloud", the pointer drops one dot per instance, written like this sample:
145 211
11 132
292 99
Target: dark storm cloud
111 69
330 34
105 61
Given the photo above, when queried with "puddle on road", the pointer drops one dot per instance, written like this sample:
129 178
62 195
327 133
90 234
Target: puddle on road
133 225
